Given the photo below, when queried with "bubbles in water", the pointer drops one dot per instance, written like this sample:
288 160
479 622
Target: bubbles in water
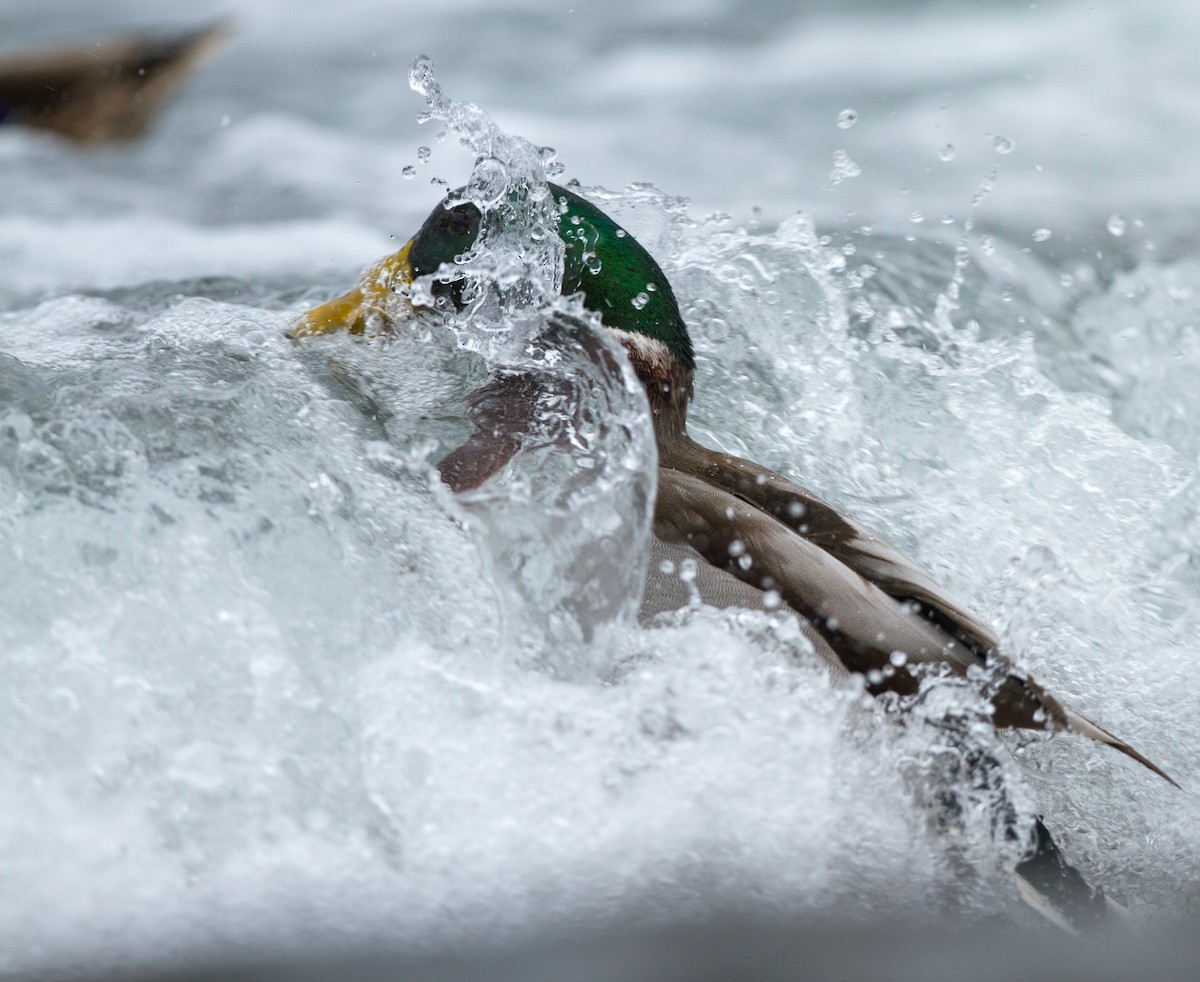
488 182
409 172
1003 145
847 118
916 218
843 168
946 154
1117 225
640 301
1041 234
423 154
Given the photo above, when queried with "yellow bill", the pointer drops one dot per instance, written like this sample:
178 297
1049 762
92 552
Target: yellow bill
371 304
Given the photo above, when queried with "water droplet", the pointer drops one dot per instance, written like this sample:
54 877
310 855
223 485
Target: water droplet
947 153
420 75
916 218
423 154
947 219
1117 225
847 118
549 158
640 301
409 172
1003 145
621 233
651 287
987 245
843 167
737 548
1041 234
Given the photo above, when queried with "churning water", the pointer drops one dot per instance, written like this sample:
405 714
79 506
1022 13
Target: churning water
263 677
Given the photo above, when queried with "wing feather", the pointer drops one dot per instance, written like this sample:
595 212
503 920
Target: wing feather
823 525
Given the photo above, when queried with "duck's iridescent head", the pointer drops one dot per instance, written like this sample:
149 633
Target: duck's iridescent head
616 278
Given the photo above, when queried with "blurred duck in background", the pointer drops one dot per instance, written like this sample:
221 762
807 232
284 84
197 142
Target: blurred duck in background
101 91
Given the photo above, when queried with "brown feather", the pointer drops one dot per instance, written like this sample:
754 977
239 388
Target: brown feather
869 603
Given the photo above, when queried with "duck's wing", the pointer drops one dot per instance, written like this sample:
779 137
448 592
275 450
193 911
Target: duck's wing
871 632
105 90
795 531
818 522
670 585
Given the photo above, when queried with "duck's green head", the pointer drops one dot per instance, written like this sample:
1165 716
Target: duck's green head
616 277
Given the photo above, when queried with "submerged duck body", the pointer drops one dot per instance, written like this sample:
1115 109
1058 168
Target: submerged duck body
758 538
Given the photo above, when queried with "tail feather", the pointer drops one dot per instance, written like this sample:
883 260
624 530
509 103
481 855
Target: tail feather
1085 727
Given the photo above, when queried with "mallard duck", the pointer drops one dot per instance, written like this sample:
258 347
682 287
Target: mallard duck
757 538
102 91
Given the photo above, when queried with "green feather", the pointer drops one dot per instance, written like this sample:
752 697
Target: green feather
619 279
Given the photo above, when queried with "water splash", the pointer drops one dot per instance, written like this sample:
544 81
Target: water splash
261 672
518 256
568 523
843 168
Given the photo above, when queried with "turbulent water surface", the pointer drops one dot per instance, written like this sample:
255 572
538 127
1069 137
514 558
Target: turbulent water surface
264 677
